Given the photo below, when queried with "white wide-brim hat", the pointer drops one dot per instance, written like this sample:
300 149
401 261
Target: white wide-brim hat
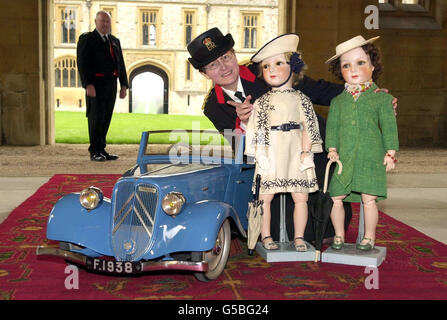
284 43
353 43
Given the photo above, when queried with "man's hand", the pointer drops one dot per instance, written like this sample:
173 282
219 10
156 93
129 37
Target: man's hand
394 102
91 91
244 109
123 92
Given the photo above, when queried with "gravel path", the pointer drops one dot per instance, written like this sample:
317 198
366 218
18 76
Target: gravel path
41 161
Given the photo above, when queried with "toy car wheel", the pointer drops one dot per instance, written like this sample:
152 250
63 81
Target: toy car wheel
218 256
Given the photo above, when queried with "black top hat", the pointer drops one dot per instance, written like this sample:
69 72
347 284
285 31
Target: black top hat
209 46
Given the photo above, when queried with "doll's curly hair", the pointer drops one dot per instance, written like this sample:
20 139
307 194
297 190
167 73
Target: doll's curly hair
374 55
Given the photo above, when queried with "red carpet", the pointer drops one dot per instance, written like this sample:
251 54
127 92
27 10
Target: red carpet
415 267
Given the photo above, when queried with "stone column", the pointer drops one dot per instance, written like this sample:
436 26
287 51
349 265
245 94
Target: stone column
22 82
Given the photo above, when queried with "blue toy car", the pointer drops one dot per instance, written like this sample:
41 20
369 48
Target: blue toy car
173 210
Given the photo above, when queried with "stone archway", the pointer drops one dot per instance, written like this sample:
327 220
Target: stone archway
148 90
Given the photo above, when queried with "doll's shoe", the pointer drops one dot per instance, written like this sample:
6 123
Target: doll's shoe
338 243
365 246
271 245
300 247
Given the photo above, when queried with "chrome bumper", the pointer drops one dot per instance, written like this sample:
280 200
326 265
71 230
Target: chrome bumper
81 259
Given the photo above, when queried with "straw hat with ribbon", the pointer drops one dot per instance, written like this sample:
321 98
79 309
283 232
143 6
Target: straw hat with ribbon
284 43
353 43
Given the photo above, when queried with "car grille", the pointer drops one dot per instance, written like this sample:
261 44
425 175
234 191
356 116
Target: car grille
133 219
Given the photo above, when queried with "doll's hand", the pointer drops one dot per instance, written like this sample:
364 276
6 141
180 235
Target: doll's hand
333 155
262 162
304 155
243 110
389 161
307 160
394 102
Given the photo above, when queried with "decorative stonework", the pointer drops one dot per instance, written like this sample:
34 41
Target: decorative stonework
132 58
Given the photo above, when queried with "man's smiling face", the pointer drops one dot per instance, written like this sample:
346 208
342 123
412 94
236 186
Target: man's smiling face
224 71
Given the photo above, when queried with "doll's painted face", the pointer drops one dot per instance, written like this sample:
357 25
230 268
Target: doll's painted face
276 70
356 66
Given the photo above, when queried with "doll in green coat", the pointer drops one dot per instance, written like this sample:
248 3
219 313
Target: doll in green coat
361 132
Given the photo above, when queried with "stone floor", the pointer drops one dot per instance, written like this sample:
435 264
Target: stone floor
419 200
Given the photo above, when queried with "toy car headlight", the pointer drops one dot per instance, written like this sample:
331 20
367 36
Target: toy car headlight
172 203
90 197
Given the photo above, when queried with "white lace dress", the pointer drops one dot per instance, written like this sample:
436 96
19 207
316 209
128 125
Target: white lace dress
277 153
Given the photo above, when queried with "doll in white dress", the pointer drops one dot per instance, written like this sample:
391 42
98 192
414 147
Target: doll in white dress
282 134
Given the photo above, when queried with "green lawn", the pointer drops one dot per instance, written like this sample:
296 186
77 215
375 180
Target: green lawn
125 128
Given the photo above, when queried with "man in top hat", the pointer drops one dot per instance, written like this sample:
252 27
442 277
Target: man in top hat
236 87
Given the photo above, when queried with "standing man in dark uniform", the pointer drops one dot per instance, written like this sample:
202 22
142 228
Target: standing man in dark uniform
236 87
100 63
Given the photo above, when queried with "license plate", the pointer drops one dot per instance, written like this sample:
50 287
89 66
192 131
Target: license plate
112 266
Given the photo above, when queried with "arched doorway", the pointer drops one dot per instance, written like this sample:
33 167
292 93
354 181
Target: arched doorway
148 90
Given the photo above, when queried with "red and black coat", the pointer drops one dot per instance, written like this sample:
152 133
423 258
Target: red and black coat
100 61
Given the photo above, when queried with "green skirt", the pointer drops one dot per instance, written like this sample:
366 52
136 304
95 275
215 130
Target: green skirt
354 193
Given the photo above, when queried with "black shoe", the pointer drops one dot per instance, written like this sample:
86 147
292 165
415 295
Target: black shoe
97 157
108 156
